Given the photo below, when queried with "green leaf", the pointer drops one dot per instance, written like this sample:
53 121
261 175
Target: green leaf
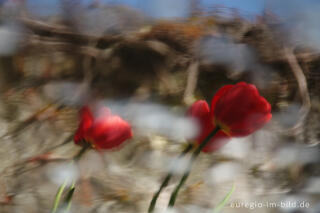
58 196
225 200
67 200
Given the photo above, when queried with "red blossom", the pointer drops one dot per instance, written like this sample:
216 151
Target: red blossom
103 130
238 110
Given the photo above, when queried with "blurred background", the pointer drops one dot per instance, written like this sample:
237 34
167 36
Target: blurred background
148 60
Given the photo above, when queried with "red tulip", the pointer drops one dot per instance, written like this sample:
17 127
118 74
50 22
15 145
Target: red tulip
239 109
103 131
201 112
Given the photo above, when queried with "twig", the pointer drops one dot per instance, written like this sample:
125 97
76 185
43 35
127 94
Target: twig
192 81
52 30
37 41
303 88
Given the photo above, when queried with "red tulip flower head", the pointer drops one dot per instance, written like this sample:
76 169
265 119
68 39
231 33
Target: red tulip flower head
239 109
103 131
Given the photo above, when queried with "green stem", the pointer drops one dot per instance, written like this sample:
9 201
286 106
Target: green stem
166 181
63 186
187 173
80 153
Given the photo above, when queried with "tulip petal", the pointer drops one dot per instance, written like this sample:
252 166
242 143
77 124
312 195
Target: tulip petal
86 120
201 113
199 109
220 93
110 132
86 117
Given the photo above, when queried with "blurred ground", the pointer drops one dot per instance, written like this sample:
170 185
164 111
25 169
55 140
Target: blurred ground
149 71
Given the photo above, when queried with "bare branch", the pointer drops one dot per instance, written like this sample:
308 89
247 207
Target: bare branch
303 87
